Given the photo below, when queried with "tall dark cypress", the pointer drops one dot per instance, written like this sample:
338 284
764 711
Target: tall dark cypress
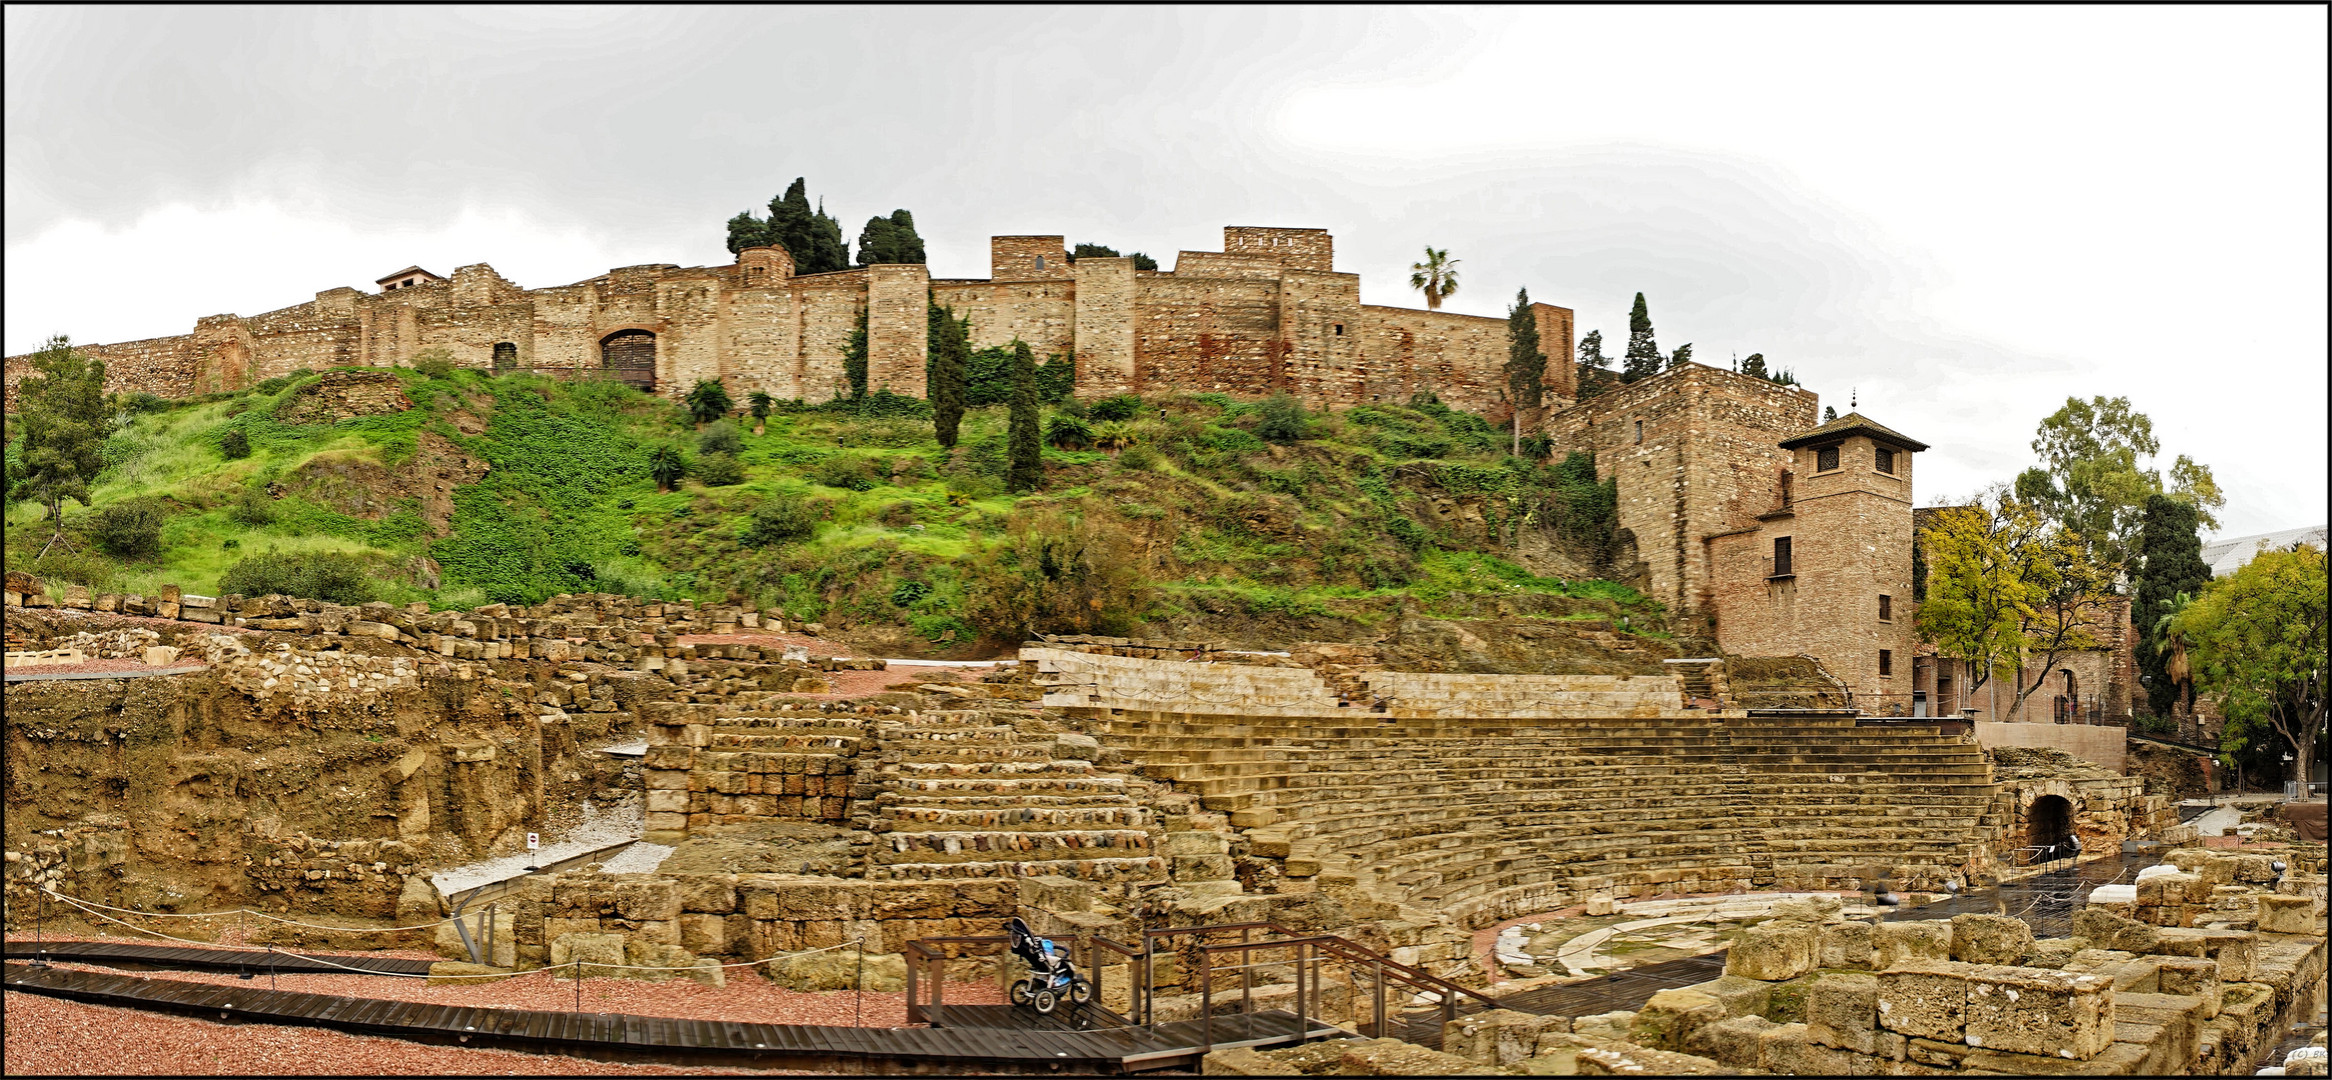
1643 359
2170 553
951 364
1027 468
1526 366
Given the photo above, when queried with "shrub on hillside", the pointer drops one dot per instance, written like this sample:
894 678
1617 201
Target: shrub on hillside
847 471
130 529
1121 407
332 576
234 445
784 519
721 438
720 470
435 363
1069 433
139 401
1280 419
252 507
1139 458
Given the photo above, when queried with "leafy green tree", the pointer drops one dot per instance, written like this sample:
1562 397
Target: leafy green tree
1643 356
2257 639
1526 366
950 349
1436 277
854 355
1027 469
890 240
1978 584
337 577
1755 365
2095 476
235 445
1682 356
65 416
2169 565
1117 408
667 466
1097 251
810 236
708 401
720 470
759 403
1829 413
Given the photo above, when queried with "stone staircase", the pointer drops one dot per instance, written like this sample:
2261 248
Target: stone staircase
963 794
1485 817
707 768
1412 694
1702 681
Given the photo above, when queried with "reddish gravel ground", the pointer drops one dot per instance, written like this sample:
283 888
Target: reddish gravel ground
125 666
50 1036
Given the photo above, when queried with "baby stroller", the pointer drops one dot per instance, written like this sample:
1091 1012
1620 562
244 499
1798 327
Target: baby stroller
1052 978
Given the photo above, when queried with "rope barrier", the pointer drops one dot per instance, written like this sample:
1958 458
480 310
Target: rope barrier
89 905
248 911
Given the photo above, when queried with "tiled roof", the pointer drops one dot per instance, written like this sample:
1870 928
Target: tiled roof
1854 423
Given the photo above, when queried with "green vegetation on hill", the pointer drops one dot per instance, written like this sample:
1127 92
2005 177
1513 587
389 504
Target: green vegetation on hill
516 488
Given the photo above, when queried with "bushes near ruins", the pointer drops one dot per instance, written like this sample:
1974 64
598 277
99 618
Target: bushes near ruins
720 470
235 445
785 519
721 438
130 529
332 576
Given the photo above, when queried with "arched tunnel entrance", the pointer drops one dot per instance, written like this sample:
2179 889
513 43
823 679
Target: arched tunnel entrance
630 356
2048 830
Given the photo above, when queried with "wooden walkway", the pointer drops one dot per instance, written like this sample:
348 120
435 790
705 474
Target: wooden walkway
140 957
969 1040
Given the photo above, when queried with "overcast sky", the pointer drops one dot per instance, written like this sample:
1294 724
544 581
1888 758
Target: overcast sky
1959 214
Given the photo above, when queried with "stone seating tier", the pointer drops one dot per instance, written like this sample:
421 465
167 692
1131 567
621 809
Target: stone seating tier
1480 814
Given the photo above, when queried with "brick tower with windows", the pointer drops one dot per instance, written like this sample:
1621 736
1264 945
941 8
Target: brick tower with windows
1827 571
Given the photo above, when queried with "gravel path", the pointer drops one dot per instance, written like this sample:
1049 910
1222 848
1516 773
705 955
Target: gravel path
51 1036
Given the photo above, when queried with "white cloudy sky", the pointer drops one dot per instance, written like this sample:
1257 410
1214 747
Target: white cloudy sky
1961 214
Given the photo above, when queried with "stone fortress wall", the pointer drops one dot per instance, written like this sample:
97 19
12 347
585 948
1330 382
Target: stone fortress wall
1268 313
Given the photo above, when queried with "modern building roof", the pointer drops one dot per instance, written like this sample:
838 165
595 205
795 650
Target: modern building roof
1854 423
386 278
2228 555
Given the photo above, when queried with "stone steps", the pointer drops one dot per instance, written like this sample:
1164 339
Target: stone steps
899 816
936 846
1108 869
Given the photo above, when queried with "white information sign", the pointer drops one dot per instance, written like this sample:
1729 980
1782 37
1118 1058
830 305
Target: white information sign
534 841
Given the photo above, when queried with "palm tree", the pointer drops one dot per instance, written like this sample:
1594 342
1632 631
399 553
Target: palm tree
1437 276
762 404
2178 671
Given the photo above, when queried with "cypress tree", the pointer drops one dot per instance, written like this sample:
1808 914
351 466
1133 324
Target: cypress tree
854 358
1526 366
1643 358
951 363
890 240
1755 365
1027 463
2170 563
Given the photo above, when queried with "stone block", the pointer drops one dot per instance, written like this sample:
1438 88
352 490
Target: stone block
1241 1061
1844 945
1773 952
1895 944
2032 1011
712 894
839 969
1739 996
1926 1002
600 955
1669 1019
1990 939
2192 977
1738 1042
2165 890
2104 930
2235 950
2289 915
1500 1036
1842 1011
1785 1049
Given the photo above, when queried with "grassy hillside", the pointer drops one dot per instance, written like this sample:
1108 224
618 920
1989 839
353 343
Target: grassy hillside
517 488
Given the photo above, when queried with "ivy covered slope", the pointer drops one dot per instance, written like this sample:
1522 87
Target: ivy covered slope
1183 511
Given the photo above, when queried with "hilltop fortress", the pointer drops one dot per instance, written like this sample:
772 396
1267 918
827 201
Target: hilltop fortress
1791 536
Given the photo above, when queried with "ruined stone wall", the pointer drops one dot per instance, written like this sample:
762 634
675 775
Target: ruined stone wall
1104 329
1208 334
1705 460
165 367
1320 324
1296 249
753 916
898 327
1040 312
1458 357
830 304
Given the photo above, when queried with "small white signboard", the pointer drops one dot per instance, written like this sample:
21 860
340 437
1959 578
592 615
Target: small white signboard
534 841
